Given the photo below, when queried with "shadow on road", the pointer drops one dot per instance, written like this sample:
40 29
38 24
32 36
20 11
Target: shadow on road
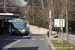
27 38
24 48
10 39
5 42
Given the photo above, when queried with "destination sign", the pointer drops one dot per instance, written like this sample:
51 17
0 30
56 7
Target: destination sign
20 21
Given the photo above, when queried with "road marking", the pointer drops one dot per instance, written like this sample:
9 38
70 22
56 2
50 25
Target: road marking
33 39
11 44
41 39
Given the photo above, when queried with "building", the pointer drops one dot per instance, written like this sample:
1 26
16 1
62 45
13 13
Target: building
7 6
1 6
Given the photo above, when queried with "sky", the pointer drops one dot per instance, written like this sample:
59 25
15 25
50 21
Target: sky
23 2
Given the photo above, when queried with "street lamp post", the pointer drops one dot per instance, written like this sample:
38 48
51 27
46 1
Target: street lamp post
50 27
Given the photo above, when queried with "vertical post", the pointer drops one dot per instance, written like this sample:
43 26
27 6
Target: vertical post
50 26
48 34
67 23
51 16
62 21
33 11
7 27
57 30
4 7
50 22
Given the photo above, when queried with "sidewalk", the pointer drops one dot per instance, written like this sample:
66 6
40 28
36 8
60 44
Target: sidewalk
71 38
52 38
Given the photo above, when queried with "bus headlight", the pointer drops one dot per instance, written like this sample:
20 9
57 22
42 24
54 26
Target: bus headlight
23 30
13 30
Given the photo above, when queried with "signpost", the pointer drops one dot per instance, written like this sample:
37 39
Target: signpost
50 26
59 23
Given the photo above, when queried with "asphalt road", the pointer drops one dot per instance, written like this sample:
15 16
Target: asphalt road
6 40
31 42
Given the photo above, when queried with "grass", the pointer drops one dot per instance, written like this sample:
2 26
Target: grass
62 46
51 34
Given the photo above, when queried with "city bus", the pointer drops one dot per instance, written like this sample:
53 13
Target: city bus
5 26
20 27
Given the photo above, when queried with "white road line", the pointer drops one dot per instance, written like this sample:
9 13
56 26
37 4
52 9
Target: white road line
41 39
11 44
33 39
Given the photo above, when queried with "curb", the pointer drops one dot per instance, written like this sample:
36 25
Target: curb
50 43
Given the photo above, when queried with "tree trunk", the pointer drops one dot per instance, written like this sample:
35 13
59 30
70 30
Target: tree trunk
67 23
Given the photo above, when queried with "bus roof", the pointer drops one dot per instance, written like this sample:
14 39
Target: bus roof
8 16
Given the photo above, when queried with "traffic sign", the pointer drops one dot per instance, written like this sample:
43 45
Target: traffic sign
50 14
55 25
58 22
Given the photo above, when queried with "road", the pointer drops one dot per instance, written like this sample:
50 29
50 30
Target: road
30 42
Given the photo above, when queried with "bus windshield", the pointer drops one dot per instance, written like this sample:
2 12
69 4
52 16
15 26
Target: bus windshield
19 25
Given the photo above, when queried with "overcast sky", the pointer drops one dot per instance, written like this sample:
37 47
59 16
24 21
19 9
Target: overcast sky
23 2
